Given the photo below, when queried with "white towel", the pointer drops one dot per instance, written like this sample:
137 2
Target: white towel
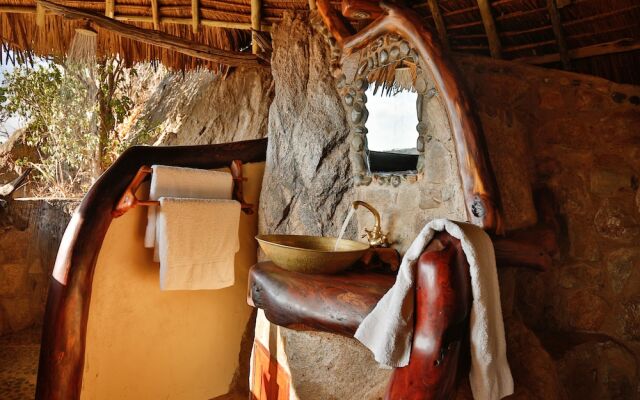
388 330
197 242
187 183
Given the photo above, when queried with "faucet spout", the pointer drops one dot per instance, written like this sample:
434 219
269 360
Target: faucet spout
375 236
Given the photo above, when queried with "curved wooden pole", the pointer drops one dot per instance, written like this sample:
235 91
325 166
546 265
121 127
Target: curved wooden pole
65 324
443 304
478 180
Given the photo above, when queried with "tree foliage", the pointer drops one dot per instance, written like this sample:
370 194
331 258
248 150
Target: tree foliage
72 113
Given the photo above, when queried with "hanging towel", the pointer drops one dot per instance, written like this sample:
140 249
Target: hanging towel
187 183
388 330
197 242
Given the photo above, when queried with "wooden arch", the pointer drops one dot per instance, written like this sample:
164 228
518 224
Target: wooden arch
65 324
481 194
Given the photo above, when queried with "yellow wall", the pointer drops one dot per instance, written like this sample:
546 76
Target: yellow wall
146 344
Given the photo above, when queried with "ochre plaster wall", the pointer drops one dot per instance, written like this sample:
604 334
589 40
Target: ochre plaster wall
146 344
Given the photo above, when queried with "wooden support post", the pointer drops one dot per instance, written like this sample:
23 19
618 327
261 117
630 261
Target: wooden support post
490 28
556 23
110 8
312 5
256 6
157 38
195 15
439 21
155 14
40 15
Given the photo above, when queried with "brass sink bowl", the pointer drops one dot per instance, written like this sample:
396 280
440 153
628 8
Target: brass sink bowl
311 254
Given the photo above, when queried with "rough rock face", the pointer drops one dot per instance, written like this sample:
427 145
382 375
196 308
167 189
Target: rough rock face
201 108
29 240
307 182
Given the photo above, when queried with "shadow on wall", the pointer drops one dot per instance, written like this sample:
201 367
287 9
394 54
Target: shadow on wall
29 239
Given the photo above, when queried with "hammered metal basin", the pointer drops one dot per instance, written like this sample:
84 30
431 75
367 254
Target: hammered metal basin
311 254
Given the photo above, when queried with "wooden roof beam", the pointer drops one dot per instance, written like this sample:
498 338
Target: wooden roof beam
439 21
40 16
617 46
157 38
490 28
155 14
556 23
109 8
256 16
195 15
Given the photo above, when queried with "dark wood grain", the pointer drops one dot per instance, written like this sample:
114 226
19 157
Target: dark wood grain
479 185
443 304
330 303
65 323
339 303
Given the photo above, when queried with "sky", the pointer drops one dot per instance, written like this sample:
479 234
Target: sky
392 121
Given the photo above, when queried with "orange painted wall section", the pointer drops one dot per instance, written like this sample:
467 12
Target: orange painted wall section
270 381
143 343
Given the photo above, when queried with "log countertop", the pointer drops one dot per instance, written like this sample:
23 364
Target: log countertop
331 303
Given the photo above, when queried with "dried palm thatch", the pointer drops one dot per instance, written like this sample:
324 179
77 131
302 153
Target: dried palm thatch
590 36
394 78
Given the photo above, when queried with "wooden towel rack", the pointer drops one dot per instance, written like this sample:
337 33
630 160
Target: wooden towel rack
128 200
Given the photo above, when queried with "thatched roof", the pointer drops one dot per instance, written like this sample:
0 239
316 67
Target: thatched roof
597 37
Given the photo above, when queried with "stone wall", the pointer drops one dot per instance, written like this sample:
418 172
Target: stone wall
30 233
584 135
572 332
307 183
199 107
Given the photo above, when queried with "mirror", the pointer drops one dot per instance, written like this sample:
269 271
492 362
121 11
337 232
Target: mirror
383 87
392 134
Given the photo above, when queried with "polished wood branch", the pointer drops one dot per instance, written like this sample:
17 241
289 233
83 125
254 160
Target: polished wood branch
440 337
329 303
339 303
65 323
479 184
157 38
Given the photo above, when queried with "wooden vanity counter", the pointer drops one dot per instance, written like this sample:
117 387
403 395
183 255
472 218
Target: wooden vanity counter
331 303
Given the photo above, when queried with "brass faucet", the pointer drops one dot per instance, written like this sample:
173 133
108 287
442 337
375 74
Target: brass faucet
375 236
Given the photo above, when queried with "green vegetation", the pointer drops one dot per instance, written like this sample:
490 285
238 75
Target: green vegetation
73 113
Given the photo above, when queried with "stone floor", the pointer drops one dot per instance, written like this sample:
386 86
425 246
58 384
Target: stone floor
19 364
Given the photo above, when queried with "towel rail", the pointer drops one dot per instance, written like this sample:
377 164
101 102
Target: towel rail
128 200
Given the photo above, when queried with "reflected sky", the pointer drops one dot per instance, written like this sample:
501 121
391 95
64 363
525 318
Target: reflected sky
392 120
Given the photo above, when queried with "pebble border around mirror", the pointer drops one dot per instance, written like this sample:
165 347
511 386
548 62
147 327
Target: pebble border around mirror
382 52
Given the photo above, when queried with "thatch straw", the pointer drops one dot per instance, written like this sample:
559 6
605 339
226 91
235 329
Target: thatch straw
523 27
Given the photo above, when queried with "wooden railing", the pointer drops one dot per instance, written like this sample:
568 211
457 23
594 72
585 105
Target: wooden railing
65 324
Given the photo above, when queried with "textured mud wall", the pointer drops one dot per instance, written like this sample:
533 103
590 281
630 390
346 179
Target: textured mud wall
584 136
30 232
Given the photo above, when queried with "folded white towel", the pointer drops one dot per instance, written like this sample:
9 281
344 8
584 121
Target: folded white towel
388 330
187 183
197 242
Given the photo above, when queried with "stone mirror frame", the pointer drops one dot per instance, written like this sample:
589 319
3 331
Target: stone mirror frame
385 52
401 26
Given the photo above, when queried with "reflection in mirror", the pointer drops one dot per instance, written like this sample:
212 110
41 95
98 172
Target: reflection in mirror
392 134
